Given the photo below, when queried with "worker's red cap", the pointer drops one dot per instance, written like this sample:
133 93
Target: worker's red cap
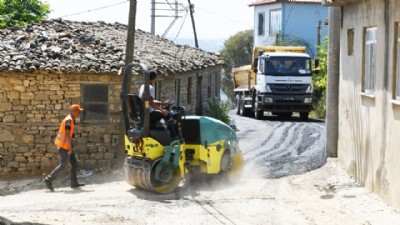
76 107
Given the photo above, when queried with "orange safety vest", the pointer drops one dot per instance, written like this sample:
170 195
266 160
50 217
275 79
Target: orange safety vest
61 136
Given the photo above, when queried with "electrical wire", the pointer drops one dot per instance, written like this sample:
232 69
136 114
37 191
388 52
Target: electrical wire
183 22
226 18
290 13
96 9
170 5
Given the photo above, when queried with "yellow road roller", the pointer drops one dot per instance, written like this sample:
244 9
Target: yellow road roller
156 162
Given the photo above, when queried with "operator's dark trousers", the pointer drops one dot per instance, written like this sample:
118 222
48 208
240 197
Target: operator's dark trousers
63 163
156 116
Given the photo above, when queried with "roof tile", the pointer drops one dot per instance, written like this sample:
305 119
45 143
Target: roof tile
97 47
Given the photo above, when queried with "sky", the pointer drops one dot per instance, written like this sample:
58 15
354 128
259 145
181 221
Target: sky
214 19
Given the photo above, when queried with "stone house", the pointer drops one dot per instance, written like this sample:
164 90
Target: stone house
46 67
369 94
294 19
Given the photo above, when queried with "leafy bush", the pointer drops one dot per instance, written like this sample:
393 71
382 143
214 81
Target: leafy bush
320 82
20 13
218 110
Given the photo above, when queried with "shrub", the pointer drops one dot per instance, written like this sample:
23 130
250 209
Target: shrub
218 110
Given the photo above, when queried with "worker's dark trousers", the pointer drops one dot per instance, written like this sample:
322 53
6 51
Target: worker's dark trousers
63 163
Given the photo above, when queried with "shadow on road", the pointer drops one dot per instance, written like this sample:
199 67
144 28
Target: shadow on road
11 187
289 119
188 189
4 221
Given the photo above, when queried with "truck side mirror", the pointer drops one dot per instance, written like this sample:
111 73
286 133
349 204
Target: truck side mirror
255 65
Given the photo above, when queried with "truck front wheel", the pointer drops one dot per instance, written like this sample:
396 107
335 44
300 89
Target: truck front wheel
258 114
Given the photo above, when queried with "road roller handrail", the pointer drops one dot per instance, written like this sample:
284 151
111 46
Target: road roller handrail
145 97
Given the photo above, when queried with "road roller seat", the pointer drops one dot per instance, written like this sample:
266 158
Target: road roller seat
136 113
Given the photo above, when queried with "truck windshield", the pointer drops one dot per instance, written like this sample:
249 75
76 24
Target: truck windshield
282 66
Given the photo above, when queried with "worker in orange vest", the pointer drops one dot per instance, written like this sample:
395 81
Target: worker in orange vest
64 146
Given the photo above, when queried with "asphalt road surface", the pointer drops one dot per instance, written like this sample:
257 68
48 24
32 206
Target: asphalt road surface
286 181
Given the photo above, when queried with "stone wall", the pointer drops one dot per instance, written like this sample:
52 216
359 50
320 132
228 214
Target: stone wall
32 105
31 109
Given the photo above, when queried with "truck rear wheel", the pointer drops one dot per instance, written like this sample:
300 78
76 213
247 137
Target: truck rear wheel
243 110
238 104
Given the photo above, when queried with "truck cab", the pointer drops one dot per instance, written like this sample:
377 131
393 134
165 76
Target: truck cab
283 84
279 81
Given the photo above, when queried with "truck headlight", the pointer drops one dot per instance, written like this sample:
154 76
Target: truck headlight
268 100
309 89
307 100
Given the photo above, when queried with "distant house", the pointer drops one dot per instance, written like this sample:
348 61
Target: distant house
295 19
46 67
369 94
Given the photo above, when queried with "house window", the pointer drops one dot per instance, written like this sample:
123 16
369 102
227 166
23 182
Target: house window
370 60
275 21
177 91
350 41
189 91
398 62
261 23
95 102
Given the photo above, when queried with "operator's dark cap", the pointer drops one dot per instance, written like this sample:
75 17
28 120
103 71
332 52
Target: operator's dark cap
76 107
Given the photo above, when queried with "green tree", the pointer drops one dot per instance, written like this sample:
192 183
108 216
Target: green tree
22 12
237 51
319 80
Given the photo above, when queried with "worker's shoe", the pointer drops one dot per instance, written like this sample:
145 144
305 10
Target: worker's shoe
77 185
49 184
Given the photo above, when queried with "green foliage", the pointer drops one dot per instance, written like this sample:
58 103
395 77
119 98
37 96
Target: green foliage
319 80
320 106
218 110
22 12
237 51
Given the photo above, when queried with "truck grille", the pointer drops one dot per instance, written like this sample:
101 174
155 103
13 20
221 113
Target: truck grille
288 88
288 101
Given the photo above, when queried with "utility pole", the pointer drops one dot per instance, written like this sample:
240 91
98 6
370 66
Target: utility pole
199 91
164 7
193 24
129 51
153 17
130 40
319 27
332 97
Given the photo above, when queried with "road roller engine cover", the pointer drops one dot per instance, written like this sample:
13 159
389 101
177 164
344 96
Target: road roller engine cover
156 162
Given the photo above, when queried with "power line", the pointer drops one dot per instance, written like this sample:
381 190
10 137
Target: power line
183 22
226 18
96 9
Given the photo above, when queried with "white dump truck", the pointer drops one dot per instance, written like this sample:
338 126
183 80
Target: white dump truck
279 81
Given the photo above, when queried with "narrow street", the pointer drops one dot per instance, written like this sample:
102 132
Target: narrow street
286 181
